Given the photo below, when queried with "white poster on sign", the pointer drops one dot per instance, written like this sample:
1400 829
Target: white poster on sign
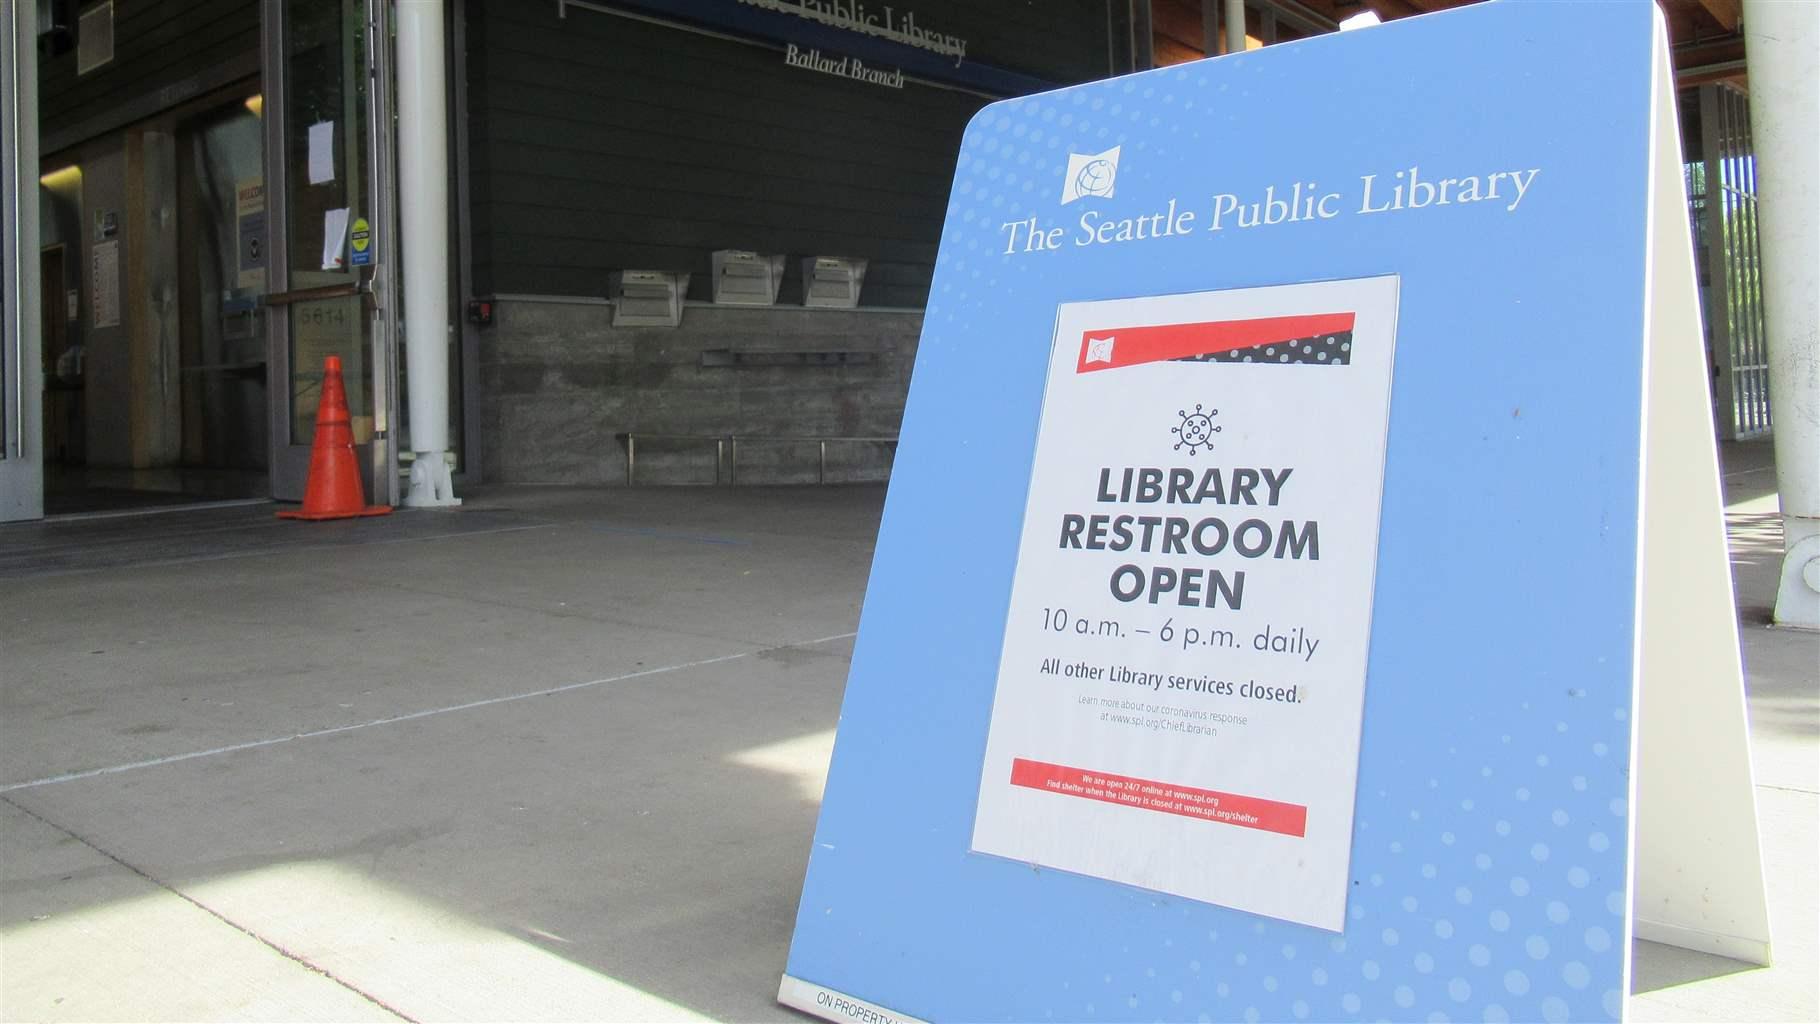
1181 686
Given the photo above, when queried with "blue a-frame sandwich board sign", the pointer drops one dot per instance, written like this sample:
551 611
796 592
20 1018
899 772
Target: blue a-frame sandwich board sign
1302 592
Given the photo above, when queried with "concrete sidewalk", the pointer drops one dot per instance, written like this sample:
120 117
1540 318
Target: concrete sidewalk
556 756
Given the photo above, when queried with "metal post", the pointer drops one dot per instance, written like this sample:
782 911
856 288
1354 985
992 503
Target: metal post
631 457
1780 41
383 314
21 341
1143 39
821 465
732 461
471 438
423 187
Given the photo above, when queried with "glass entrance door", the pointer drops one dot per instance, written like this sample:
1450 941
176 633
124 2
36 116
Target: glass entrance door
328 211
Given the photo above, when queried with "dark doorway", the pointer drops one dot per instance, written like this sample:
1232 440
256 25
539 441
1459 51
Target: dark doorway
154 351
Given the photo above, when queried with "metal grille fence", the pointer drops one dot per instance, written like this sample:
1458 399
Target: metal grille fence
1722 197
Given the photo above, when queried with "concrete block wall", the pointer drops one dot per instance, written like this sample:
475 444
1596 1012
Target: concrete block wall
558 382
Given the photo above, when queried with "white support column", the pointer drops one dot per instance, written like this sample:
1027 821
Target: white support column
1781 38
1235 26
423 202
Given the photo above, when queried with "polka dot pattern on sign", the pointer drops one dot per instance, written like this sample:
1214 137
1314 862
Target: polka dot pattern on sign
1319 349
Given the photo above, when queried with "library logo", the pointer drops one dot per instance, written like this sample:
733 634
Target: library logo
1090 174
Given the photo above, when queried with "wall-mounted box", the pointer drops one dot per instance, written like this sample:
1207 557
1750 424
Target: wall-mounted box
647 298
833 282
746 278
95 37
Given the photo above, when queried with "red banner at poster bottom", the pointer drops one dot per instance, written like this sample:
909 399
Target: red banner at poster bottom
1167 797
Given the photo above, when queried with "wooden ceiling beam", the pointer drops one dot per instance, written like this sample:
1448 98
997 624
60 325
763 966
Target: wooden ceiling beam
1680 20
1713 51
1332 10
1177 20
1725 12
1728 76
1168 52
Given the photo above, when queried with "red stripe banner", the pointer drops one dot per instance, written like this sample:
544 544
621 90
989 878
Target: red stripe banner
1167 797
1132 346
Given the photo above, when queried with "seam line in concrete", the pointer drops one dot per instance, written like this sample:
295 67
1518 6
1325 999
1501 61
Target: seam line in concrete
570 614
281 549
296 958
691 538
157 510
410 716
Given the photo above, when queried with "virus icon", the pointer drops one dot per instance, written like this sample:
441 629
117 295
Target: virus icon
1196 429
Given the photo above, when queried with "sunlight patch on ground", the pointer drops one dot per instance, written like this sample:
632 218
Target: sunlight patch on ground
155 957
804 759
420 959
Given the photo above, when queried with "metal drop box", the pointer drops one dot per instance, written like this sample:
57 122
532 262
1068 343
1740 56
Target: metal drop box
647 298
746 278
833 282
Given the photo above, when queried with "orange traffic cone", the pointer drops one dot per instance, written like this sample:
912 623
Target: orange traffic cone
334 490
